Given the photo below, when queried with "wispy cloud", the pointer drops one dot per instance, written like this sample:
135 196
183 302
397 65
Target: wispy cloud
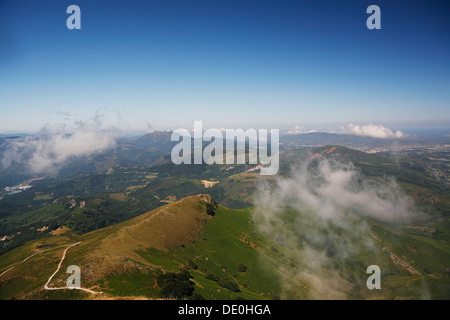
319 211
47 151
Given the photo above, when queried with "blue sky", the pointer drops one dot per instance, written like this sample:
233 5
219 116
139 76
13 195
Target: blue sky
247 63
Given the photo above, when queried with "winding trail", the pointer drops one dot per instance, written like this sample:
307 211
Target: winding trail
46 287
27 259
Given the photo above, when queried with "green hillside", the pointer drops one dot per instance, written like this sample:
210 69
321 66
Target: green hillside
223 256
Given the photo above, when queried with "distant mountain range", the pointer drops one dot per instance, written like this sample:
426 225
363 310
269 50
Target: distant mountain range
154 147
324 138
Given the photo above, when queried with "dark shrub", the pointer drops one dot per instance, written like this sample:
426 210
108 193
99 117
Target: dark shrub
227 284
211 276
192 264
241 267
197 296
175 285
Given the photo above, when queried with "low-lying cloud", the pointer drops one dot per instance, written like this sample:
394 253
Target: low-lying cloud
46 152
374 131
330 187
319 211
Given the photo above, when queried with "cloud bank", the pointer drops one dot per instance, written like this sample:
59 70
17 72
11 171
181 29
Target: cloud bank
374 131
46 152
319 212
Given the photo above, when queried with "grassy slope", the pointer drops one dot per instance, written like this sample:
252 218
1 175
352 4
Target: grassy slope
218 250
227 240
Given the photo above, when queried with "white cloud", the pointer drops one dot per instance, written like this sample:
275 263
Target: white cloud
371 130
299 130
327 204
46 152
296 130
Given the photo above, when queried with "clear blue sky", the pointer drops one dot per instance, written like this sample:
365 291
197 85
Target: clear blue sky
230 63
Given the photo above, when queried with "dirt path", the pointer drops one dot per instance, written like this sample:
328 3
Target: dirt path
46 287
27 259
